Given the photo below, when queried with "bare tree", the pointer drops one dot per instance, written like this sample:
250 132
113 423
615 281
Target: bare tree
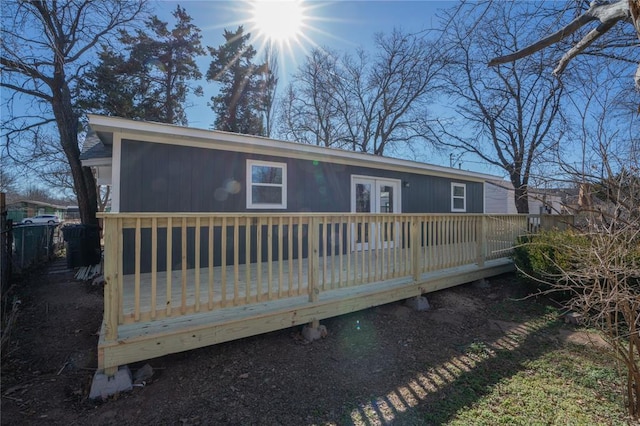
308 110
366 103
607 13
8 180
46 47
8 173
512 112
596 267
269 87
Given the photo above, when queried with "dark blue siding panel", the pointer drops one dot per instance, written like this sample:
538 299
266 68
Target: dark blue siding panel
171 178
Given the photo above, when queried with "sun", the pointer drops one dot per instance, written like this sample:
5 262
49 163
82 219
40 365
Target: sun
278 21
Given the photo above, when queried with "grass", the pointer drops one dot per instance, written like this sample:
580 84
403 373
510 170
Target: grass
518 374
569 386
536 381
539 383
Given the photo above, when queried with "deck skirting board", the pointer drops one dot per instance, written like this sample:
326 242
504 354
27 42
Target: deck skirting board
142 341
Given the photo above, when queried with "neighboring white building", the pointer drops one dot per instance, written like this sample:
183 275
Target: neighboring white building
541 202
500 198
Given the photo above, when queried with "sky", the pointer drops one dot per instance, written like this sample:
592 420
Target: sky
339 25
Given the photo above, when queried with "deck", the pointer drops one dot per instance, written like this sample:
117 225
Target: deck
176 282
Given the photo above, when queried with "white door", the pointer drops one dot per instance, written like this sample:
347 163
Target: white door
373 195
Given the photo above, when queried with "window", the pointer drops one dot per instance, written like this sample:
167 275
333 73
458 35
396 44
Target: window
266 185
458 197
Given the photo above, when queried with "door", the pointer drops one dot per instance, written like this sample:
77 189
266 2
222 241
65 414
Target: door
374 195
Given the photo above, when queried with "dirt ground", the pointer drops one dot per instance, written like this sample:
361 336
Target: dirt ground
275 378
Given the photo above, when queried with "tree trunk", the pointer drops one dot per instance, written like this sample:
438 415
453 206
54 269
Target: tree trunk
67 121
522 199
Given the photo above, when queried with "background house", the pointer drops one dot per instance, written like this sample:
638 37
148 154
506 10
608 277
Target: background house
18 210
500 198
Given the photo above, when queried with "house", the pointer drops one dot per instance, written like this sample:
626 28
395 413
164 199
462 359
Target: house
156 167
215 236
500 198
20 209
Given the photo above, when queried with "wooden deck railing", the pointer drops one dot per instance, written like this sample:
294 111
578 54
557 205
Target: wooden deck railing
168 265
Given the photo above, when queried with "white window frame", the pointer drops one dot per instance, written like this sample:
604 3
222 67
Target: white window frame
250 184
454 197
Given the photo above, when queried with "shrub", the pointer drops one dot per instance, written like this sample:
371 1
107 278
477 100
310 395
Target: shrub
547 256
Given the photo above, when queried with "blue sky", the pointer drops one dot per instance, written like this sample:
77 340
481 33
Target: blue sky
340 25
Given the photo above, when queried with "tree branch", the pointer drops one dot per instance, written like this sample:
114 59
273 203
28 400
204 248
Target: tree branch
607 13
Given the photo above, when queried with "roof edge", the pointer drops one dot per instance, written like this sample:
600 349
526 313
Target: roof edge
108 124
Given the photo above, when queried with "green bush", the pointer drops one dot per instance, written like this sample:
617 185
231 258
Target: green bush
545 256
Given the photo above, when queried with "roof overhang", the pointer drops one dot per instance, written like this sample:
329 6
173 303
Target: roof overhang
105 128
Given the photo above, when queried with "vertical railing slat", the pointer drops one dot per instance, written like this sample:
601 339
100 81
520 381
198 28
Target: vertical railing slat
340 251
280 258
300 257
154 265
197 264
331 250
270 256
236 255
370 249
481 238
415 249
363 243
247 259
290 256
169 265
349 249
314 258
223 262
210 263
136 281
356 253
389 235
324 253
183 264
259 259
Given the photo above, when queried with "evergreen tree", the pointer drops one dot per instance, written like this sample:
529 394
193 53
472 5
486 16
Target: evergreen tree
239 105
153 82
111 87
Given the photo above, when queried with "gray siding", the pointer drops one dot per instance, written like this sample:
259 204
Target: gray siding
171 178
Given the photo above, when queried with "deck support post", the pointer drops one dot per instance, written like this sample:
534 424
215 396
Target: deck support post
481 240
112 256
111 298
414 240
110 371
